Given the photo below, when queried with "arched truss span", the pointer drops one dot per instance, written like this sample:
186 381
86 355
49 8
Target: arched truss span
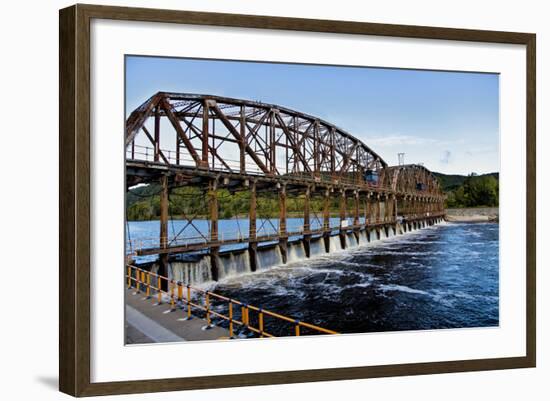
219 135
242 136
411 179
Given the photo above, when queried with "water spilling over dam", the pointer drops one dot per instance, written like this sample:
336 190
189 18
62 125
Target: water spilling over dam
234 260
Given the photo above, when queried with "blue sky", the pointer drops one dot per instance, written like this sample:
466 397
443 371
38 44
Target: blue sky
449 121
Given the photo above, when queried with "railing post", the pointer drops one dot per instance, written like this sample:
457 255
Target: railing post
172 298
261 323
137 281
244 314
159 290
230 319
297 328
207 304
188 302
129 277
148 293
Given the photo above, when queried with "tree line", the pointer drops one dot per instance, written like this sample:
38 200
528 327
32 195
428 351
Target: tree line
143 202
475 191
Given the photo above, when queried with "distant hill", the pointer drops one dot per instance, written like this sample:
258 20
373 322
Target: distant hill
451 182
470 190
141 193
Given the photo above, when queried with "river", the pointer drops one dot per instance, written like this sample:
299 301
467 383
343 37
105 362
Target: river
443 276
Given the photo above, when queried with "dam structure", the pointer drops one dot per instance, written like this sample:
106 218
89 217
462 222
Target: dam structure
306 187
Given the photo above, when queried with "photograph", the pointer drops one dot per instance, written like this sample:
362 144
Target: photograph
268 199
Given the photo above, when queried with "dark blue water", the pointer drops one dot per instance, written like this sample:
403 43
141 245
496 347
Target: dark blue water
445 276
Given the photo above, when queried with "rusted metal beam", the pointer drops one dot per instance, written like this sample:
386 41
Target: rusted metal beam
236 134
326 220
156 141
213 206
307 228
252 245
242 140
163 258
343 220
157 153
205 133
283 238
175 123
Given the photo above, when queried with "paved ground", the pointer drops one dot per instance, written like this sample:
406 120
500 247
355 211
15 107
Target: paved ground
147 322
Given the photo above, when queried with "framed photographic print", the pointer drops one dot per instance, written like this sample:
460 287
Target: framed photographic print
306 200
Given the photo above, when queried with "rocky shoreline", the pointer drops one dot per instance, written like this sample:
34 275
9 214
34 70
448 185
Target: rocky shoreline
472 215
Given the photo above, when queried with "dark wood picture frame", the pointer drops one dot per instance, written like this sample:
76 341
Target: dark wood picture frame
74 203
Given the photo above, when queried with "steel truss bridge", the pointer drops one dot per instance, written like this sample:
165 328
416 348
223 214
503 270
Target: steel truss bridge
213 143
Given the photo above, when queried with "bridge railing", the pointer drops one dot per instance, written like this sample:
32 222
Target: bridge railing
182 158
185 241
195 301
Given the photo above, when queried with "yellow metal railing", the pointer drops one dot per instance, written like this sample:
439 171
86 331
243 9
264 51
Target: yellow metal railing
239 313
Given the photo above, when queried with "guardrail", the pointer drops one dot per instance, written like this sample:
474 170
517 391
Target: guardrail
137 244
147 154
189 298
134 246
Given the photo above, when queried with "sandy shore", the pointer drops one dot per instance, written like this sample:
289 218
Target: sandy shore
472 215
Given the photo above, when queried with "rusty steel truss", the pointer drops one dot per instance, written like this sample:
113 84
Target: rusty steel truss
214 142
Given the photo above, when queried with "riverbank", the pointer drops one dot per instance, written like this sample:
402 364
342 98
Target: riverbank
472 215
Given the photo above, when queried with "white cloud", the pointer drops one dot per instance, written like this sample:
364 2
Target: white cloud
398 140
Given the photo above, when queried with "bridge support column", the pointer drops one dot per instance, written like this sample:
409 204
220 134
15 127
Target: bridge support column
387 214
378 211
283 238
214 248
394 213
163 258
307 229
326 220
252 244
356 222
343 222
367 215
405 213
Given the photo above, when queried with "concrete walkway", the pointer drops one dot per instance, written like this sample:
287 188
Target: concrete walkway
150 323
